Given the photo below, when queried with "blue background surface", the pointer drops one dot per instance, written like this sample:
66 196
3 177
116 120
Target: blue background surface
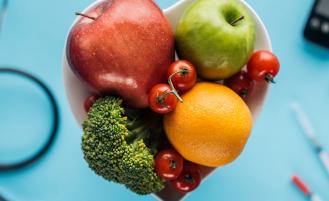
33 39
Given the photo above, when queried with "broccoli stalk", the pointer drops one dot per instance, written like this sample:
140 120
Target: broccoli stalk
119 144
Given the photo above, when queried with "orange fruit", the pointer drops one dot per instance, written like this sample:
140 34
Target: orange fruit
211 126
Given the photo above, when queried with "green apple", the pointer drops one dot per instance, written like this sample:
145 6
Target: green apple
217 36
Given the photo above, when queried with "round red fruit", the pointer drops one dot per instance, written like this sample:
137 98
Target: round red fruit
182 74
189 179
241 84
161 99
263 65
89 101
169 164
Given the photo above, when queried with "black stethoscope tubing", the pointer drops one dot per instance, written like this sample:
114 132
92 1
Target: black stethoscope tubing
55 113
54 128
2 198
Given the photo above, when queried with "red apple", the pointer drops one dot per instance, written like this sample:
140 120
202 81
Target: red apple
122 47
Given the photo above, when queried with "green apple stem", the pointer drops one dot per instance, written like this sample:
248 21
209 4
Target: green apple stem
184 71
84 15
237 20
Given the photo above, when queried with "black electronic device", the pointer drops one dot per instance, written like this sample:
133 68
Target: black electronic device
317 26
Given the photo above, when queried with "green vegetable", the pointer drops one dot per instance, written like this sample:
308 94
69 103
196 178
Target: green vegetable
119 144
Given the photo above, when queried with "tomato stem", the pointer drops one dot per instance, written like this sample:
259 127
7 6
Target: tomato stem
161 98
173 164
84 15
184 71
243 93
269 78
189 178
237 20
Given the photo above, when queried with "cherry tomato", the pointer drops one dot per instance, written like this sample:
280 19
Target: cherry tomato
189 179
263 65
182 75
169 164
89 101
161 99
240 83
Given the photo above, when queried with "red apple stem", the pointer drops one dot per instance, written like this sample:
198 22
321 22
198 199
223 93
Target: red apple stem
237 20
174 91
84 15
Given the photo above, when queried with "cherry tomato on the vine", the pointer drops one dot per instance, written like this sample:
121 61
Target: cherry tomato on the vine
89 101
263 65
161 99
241 84
182 74
189 179
169 164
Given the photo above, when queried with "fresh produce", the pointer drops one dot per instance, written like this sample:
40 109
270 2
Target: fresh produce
263 65
162 99
119 144
182 75
90 100
211 126
241 84
217 36
122 53
189 179
169 164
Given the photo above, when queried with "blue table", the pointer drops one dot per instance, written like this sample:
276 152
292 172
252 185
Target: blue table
33 39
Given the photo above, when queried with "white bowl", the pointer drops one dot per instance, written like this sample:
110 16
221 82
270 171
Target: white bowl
76 92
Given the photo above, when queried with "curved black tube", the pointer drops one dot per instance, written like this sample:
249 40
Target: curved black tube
55 112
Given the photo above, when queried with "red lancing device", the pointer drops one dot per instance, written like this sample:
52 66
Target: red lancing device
304 188
301 185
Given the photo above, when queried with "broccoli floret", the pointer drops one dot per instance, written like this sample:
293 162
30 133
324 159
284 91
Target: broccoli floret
119 144
136 167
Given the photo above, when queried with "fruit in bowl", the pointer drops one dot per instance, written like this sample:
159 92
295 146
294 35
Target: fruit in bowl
123 144
123 53
216 36
211 126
